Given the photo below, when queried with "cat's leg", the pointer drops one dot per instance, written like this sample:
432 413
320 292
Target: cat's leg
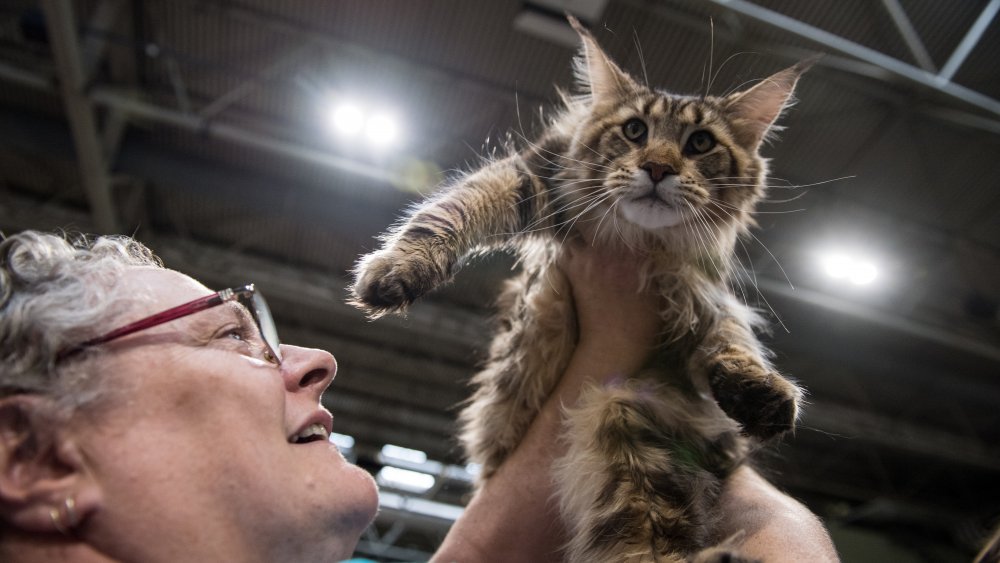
484 209
641 478
529 352
743 381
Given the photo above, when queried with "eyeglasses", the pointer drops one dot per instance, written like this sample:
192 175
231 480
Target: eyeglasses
246 295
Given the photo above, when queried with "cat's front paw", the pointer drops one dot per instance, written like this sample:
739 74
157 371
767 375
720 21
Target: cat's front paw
389 280
761 400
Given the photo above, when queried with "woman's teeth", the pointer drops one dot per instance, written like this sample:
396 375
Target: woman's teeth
311 433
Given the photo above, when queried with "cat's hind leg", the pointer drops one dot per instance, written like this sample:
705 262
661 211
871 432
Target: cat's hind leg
642 474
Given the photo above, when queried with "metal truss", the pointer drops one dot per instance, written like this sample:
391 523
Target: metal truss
925 76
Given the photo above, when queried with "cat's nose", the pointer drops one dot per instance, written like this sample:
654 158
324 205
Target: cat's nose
658 171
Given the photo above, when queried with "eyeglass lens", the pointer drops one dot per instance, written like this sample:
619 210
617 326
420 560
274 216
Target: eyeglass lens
265 322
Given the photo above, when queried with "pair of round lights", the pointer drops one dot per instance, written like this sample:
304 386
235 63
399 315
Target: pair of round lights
378 128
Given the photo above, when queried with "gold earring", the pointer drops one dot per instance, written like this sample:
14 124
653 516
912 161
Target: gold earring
71 517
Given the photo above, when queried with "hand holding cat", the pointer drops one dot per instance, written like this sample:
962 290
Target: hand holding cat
614 315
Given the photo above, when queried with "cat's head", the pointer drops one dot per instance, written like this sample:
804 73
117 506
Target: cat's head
667 164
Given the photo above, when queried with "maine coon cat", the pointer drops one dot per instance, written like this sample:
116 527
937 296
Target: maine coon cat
624 165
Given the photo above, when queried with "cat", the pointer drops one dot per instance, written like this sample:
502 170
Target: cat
623 165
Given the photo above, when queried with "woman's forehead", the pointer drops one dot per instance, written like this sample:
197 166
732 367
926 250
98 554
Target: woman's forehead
156 289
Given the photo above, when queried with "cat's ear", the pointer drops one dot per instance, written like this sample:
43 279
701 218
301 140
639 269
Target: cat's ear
754 111
595 72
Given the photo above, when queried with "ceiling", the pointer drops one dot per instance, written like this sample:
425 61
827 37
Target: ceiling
199 127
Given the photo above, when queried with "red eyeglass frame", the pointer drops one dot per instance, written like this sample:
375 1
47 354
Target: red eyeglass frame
246 295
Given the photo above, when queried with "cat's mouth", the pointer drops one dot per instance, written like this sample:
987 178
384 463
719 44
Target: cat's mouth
652 198
651 210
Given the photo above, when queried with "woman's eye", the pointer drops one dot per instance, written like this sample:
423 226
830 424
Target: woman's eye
634 130
235 332
699 142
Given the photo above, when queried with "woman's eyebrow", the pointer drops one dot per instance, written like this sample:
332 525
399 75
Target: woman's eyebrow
213 318
240 311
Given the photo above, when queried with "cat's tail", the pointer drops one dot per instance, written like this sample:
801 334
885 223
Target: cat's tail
642 474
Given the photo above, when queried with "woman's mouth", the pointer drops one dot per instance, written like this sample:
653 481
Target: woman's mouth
312 433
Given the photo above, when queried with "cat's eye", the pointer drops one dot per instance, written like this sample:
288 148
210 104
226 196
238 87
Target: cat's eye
699 142
635 130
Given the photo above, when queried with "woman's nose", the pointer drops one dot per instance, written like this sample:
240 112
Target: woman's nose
307 369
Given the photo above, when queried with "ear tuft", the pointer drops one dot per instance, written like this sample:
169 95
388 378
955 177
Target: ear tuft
596 75
754 111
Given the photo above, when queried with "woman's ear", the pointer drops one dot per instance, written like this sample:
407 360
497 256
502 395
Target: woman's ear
45 485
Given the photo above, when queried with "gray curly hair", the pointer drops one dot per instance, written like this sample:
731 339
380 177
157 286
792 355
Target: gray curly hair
56 291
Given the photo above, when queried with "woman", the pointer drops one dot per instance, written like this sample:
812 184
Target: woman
177 442
144 417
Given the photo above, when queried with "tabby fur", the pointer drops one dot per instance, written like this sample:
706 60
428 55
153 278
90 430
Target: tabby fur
646 458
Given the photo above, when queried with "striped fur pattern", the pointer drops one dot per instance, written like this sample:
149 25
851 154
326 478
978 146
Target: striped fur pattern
653 457
675 178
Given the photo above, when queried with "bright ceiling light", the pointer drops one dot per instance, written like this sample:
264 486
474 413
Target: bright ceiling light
855 269
382 130
837 265
348 119
342 441
863 273
394 452
404 480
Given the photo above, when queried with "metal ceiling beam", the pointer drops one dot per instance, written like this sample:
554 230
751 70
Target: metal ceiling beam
910 35
829 40
80 112
970 40
131 107
22 77
121 69
273 70
733 32
245 137
94 47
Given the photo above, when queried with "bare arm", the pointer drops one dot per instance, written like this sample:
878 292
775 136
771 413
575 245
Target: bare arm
777 528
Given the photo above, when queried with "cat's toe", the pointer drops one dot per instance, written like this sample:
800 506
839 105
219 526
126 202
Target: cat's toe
766 404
